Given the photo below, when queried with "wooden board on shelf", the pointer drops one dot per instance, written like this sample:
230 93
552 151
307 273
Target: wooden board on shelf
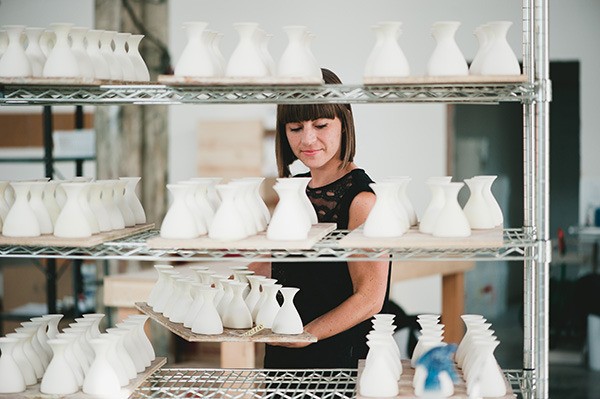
229 335
468 79
33 391
232 81
48 240
79 81
407 390
479 239
258 241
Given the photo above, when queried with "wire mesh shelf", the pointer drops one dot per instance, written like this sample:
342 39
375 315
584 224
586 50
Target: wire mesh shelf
518 245
22 94
263 384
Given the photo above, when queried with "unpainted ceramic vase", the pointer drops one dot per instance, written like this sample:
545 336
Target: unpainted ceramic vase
86 69
196 59
499 59
21 220
495 209
378 379
297 59
246 60
451 221
101 378
269 307
34 52
122 57
179 221
61 62
387 58
436 203
139 65
290 220
101 68
287 320
477 210
36 203
385 219
227 224
106 40
59 378
122 352
208 320
446 59
19 356
237 315
14 62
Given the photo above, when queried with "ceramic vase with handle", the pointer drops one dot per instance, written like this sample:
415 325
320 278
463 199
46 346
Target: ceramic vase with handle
14 62
114 68
269 307
86 69
21 220
120 53
36 203
101 68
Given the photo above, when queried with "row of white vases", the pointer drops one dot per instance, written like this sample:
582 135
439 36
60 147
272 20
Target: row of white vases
494 55
393 214
206 302
251 58
79 357
236 210
383 368
75 209
71 52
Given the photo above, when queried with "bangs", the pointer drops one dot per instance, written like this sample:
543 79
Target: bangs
307 112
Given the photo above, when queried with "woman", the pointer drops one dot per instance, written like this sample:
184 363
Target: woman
336 299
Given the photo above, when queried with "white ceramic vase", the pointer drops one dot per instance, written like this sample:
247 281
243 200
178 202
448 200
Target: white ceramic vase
115 216
483 40
237 315
132 199
160 285
288 319
61 62
290 220
387 58
297 59
477 210
246 60
86 69
202 199
208 320
499 59
139 65
495 209
196 59
36 203
436 203
20 358
124 357
114 67
269 307
446 59
101 378
179 221
451 221
34 52
11 379
162 300
72 222
49 199
14 62
227 224
122 57
378 379
59 378
385 219
21 220
101 68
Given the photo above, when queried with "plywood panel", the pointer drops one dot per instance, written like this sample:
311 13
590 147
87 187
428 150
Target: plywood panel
26 130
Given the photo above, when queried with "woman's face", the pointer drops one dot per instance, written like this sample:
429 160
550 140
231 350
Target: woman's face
317 143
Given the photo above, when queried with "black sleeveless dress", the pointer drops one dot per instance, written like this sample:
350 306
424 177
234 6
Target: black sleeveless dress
323 286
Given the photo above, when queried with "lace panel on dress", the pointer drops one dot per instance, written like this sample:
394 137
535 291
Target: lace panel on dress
327 199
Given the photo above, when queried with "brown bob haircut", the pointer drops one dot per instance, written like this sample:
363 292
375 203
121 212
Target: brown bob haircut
308 112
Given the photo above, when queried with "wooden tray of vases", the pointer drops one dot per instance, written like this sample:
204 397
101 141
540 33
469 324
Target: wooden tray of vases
257 241
407 390
49 240
229 334
33 391
413 238
441 80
